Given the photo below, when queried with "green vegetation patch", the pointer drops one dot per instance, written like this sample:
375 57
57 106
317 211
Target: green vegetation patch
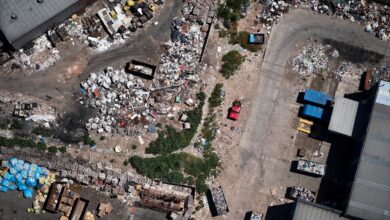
231 63
230 12
242 38
173 167
216 99
170 139
44 131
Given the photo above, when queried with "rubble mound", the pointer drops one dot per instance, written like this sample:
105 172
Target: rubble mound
313 58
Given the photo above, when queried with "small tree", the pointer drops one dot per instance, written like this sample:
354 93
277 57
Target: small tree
231 63
41 146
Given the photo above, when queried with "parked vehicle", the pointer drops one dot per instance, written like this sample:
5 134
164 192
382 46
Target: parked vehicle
234 111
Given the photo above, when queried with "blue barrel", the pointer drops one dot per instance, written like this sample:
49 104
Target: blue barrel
26 166
24 174
21 186
28 193
5 183
3 189
13 161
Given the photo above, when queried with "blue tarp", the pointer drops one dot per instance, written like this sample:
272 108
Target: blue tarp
313 111
251 38
316 97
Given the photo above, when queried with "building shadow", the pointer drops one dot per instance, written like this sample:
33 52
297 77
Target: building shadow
280 212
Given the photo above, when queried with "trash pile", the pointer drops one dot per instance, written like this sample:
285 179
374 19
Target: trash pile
219 200
380 73
120 97
302 194
23 176
313 58
272 12
311 167
39 56
183 54
42 194
350 73
375 16
104 209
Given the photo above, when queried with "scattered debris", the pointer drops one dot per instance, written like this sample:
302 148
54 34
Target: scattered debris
104 209
311 167
313 58
219 200
302 194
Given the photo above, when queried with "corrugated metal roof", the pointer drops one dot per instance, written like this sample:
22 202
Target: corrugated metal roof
316 97
28 15
343 116
370 194
311 211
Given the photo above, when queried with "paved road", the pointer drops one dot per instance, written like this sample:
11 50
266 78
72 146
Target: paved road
254 157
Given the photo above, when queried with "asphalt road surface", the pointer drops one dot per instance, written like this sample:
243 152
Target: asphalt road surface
250 159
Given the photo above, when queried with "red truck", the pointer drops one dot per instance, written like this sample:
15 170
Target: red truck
234 111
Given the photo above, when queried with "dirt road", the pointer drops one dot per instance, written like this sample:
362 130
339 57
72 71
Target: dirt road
48 84
256 166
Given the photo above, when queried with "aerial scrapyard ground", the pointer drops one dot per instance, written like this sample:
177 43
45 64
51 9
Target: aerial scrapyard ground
256 151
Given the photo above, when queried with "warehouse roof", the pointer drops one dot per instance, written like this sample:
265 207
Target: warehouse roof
370 194
309 211
23 20
343 116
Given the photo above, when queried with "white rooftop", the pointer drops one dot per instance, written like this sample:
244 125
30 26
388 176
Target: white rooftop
343 116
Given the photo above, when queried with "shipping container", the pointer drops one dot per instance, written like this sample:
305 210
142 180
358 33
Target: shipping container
312 111
318 98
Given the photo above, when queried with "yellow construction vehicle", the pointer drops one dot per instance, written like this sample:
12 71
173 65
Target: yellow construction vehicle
304 125
152 7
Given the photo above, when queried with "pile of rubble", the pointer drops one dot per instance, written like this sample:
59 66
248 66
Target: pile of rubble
313 58
200 10
380 73
38 57
183 54
349 72
375 17
272 12
120 97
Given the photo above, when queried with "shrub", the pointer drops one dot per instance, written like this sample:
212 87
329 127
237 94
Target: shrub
231 62
53 149
133 146
62 149
43 131
41 146
88 140
215 99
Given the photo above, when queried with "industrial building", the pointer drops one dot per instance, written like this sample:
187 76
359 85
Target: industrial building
368 192
22 21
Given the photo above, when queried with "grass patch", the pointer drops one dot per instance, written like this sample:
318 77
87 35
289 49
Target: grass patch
170 139
216 99
173 167
231 62
242 38
43 131
88 140
53 149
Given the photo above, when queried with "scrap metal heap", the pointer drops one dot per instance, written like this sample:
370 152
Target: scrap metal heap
302 193
168 197
219 200
120 97
311 167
